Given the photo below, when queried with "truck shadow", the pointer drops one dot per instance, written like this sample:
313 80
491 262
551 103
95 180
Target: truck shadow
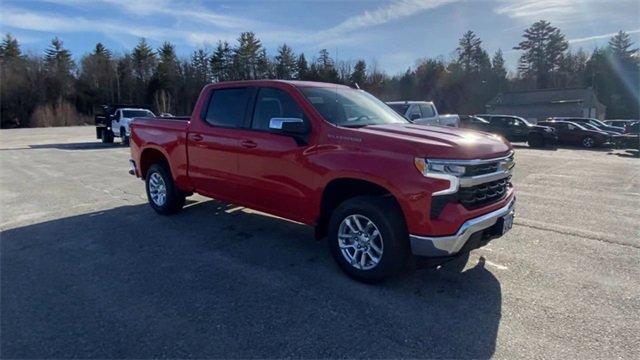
77 146
218 281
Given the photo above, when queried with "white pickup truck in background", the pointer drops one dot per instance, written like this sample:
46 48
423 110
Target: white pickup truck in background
114 120
424 113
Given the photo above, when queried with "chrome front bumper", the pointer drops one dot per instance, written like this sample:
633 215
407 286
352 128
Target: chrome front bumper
436 246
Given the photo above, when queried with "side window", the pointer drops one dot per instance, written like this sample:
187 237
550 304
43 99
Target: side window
571 127
497 121
227 107
414 112
427 111
274 103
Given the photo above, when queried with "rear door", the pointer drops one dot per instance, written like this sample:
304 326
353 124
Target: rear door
275 175
213 142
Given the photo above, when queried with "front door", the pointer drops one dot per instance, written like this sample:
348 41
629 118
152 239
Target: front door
273 169
214 142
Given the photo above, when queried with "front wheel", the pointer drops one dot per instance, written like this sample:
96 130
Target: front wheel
588 142
162 193
368 238
124 137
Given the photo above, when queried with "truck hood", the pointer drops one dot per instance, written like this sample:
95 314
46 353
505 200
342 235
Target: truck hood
439 141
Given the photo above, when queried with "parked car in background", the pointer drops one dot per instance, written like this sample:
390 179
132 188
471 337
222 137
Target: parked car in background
576 134
515 129
114 120
595 122
633 128
423 113
620 123
381 189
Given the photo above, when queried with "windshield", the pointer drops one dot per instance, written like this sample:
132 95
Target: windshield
579 126
590 127
136 113
525 121
350 107
597 123
399 108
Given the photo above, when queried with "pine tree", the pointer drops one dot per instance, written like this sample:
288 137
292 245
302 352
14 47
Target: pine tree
620 46
59 67
302 67
9 49
359 74
221 62
325 68
470 53
144 62
497 65
200 65
246 54
97 79
166 79
544 47
285 63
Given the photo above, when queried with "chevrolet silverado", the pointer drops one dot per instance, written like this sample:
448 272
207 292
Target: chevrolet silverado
386 193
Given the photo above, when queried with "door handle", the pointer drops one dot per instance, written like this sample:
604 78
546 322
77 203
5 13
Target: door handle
248 144
196 137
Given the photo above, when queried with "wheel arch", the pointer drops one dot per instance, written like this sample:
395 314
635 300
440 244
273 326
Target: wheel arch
150 156
338 190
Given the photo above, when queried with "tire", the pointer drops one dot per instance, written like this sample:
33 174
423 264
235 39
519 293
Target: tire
588 142
158 178
107 136
124 137
535 141
390 246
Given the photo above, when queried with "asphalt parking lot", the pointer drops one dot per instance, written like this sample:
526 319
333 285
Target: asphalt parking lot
89 270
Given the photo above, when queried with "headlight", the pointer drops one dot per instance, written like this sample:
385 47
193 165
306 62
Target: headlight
442 171
427 167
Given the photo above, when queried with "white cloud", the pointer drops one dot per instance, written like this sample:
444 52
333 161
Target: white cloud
54 23
600 37
382 15
568 13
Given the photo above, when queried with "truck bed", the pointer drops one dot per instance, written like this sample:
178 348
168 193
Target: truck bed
168 135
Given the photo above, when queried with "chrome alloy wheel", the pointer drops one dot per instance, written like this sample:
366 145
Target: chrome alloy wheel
157 189
360 242
588 142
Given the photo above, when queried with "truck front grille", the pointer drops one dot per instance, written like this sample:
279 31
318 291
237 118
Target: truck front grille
481 169
484 194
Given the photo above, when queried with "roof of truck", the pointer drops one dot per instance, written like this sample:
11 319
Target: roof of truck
409 102
296 83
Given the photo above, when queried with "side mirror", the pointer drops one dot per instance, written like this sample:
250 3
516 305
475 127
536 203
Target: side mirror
294 126
414 116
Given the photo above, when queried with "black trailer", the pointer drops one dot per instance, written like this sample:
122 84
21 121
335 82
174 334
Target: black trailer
104 116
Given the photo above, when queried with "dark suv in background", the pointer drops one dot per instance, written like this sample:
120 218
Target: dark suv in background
595 122
513 128
576 134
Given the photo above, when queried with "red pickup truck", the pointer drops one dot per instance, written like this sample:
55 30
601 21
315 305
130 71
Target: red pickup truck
384 191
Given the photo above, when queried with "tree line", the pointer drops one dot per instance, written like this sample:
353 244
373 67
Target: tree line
53 90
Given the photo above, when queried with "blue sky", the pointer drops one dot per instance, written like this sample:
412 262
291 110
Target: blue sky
391 34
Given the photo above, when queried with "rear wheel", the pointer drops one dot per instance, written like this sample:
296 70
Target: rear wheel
107 136
588 142
162 194
368 238
535 141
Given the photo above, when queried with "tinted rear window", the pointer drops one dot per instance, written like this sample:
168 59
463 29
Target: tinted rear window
227 107
399 108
